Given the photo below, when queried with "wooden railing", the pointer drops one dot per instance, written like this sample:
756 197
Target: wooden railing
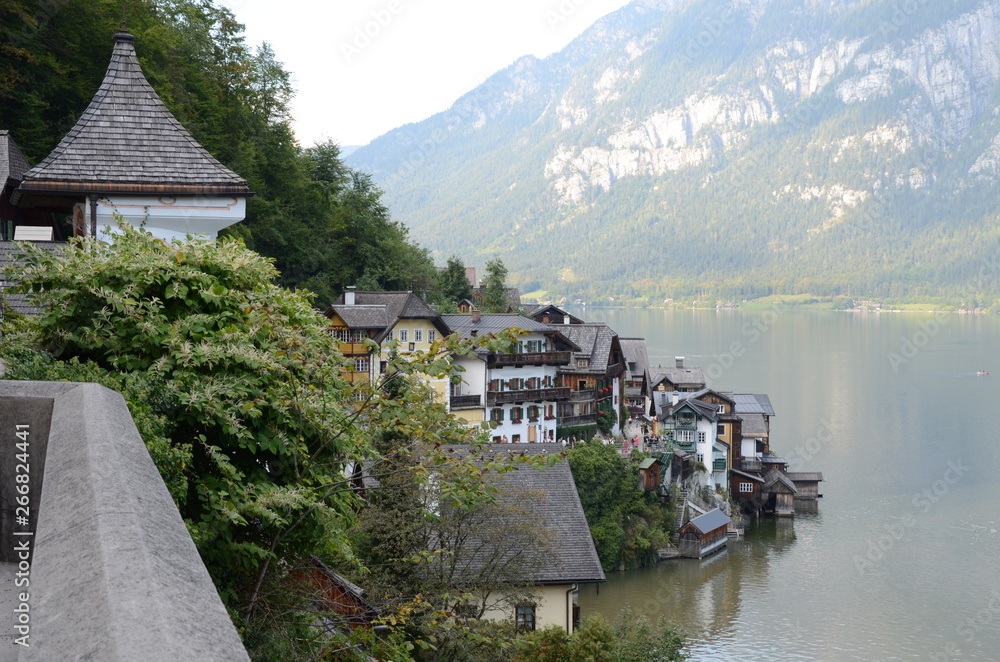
466 401
529 358
527 395
573 421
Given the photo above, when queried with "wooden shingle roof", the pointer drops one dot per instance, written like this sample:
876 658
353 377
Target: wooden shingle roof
13 165
127 141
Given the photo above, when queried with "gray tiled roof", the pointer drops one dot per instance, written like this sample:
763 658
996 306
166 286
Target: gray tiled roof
127 141
464 325
594 339
684 377
634 350
710 521
13 165
753 403
776 478
9 251
552 310
569 555
704 409
363 317
396 306
753 425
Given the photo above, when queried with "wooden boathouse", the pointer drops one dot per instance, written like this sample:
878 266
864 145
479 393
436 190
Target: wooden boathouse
704 534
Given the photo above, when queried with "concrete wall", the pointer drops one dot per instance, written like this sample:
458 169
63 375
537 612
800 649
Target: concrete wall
114 574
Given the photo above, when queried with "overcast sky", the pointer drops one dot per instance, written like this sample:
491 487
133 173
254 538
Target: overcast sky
363 67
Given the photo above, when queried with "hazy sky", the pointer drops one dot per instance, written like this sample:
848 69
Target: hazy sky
363 67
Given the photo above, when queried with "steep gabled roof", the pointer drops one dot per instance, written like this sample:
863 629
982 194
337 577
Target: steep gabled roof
127 141
753 425
13 165
687 377
395 306
569 556
595 340
634 350
550 310
703 409
775 480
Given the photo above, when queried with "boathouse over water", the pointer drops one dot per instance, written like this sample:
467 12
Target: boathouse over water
704 534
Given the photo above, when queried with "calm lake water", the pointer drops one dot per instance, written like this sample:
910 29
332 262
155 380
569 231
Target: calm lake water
900 559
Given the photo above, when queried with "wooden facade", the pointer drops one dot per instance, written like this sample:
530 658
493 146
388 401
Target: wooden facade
650 474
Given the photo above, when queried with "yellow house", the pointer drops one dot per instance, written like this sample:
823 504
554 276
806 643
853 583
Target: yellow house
563 557
357 316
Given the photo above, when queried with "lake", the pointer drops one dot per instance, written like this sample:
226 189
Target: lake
899 560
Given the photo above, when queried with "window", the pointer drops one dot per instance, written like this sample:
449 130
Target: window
515 439
431 335
746 487
533 413
418 335
348 335
524 617
700 457
721 430
388 336
516 414
496 415
685 436
403 335
701 437
362 365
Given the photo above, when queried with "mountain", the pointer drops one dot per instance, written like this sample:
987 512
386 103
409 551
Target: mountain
731 147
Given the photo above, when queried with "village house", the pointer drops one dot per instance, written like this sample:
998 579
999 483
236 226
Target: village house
636 364
555 562
594 376
128 155
516 393
357 316
692 425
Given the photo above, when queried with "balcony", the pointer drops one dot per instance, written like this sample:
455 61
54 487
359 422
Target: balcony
573 421
528 358
586 395
751 464
466 401
494 398
686 446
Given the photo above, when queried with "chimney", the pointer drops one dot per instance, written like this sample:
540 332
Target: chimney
349 295
565 319
680 361
677 398
475 316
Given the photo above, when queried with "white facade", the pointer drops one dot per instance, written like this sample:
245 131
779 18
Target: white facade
167 217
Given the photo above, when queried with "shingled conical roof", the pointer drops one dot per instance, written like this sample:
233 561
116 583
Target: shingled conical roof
127 141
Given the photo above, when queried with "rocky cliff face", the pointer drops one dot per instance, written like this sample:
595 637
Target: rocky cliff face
814 109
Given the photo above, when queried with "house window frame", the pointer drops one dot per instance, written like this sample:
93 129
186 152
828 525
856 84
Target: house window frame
418 335
363 365
746 488
431 335
403 335
525 616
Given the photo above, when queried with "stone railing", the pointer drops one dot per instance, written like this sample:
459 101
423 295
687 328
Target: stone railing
114 574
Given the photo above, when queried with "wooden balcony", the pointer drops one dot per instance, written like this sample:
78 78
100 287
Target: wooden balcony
750 464
586 395
494 398
573 421
466 401
354 349
528 358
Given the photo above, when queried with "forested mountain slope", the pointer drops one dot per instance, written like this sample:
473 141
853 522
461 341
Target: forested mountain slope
732 147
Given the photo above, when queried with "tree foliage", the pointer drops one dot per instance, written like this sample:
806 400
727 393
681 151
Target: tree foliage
629 639
627 524
453 284
323 223
495 287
